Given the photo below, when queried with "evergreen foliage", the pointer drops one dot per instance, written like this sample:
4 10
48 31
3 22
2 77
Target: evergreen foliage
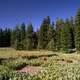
29 37
44 33
1 37
72 31
22 30
77 31
64 35
66 42
18 46
59 25
52 38
5 38
13 38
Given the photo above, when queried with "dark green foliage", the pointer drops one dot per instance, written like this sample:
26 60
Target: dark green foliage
66 40
13 38
52 38
51 32
23 31
5 38
35 40
23 37
43 33
77 31
72 31
18 45
59 25
47 37
65 35
1 37
29 37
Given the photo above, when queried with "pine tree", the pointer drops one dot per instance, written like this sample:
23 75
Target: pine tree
13 38
50 32
77 31
6 37
59 25
8 34
9 37
23 31
52 38
23 36
29 37
35 40
72 30
66 41
48 29
18 39
43 33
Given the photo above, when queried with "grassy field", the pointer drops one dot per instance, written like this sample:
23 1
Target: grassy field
38 65
10 52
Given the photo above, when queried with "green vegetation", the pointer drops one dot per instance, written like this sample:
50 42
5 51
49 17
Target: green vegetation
77 30
64 35
41 54
54 65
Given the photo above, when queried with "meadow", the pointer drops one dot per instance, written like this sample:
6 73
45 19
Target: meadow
38 65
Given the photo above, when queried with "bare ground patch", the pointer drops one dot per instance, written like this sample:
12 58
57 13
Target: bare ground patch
31 69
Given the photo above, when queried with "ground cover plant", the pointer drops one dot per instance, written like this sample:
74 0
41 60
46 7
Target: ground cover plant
59 66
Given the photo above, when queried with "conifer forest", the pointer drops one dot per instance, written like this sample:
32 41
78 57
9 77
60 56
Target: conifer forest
51 52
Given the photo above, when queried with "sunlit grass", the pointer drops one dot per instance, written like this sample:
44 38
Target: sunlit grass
10 52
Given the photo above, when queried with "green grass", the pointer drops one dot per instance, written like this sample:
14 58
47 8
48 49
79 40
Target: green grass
55 65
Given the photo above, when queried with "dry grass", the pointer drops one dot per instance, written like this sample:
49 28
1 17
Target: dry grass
10 52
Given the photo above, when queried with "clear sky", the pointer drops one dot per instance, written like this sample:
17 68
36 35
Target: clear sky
14 12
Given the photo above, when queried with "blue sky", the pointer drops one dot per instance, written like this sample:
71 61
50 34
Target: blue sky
14 12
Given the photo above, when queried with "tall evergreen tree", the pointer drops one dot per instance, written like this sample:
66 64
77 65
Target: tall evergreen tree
65 36
29 38
77 31
59 25
18 38
23 36
48 29
72 30
50 32
23 31
13 37
35 40
8 37
52 38
66 41
5 37
43 33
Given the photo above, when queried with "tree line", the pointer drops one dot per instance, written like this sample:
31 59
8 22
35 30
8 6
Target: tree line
62 36
5 37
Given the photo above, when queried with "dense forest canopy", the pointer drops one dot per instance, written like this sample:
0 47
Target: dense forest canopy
61 36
